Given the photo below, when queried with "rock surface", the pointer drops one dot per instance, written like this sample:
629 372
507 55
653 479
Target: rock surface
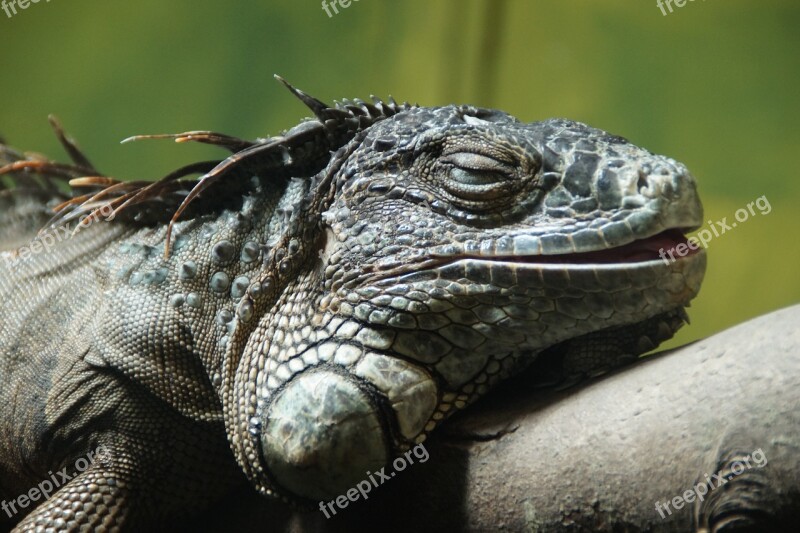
600 456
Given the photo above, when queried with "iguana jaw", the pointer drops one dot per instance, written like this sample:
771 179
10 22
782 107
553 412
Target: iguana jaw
651 249
640 250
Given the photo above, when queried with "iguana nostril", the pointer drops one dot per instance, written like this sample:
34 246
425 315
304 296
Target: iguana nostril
321 435
642 183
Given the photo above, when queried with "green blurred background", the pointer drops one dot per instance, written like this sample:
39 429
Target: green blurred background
715 85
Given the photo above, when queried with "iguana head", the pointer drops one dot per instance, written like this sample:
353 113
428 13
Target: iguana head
456 244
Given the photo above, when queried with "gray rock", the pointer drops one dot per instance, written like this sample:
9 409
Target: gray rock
598 457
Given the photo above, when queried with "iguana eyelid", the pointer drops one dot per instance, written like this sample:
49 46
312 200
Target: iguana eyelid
471 161
483 179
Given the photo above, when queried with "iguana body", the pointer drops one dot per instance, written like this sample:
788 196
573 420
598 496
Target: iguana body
331 296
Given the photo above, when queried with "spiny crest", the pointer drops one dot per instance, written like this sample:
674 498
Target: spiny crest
29 171
301 152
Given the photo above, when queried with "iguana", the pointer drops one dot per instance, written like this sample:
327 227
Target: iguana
315 304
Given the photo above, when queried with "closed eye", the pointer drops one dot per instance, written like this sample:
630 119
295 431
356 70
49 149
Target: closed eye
477 162
476 177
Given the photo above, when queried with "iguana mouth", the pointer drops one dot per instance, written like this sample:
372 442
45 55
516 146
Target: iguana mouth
641 250
657 247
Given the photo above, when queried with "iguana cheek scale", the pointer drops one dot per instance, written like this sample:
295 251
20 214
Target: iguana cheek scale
324 298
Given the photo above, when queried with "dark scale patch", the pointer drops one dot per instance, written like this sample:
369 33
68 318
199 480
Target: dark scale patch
558 198
562 144
223 252
381 186
608 193
585 205
561 212
615 139
579 175
551 160
492 115
383 144
220 282
155 277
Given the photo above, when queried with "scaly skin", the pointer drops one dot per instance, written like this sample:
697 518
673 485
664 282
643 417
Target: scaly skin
328 313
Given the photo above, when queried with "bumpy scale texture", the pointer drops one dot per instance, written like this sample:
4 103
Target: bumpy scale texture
317 303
